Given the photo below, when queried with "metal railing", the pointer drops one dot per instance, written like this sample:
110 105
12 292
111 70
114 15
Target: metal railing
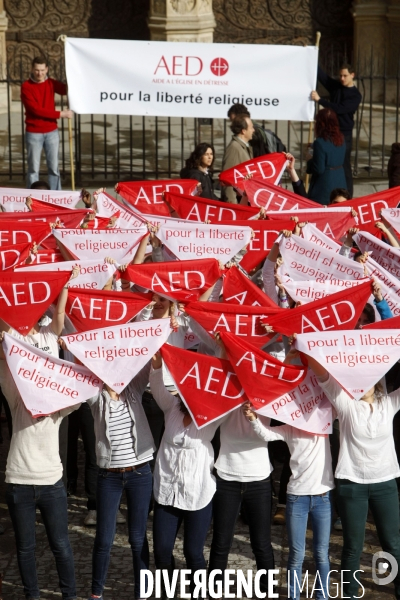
130 147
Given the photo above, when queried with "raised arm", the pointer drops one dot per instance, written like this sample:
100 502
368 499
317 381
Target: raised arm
161 395
57 323
264 432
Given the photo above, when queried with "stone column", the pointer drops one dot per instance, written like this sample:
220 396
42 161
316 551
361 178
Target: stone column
370 31
181 20
393 15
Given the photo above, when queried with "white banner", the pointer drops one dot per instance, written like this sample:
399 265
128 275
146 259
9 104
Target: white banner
303 260
390 285
115 243
386 256
13 199
47 384
308 291
196 240
108 207
311 233
93 274
392 215
117 354
306 407
353 358
127 77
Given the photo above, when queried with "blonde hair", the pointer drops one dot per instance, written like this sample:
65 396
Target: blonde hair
172 308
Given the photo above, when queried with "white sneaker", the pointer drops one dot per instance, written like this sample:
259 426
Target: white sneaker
91 518
120 518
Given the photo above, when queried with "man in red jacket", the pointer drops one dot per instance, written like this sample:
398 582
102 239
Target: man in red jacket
37 95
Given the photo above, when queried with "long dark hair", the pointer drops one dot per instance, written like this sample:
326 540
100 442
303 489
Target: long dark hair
194 160
327 127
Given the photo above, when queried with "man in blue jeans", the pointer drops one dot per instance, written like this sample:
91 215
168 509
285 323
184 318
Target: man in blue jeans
37 95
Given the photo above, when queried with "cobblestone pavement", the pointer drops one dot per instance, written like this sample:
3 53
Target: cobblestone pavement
120 578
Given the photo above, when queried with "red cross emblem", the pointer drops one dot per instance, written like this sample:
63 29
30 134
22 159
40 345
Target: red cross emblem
219 66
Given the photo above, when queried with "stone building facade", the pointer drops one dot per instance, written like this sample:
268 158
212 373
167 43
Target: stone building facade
348 27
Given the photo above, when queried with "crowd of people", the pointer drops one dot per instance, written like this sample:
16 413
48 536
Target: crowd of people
144 440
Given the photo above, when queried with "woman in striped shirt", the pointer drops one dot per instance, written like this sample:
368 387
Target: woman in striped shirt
124 447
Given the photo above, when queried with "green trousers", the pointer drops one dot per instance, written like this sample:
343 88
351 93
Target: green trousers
354 499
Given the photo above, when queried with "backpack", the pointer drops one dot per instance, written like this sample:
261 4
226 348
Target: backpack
265 141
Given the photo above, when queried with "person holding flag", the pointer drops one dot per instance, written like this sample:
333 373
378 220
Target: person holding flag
308 493
184 485
124 448
34 469
366 471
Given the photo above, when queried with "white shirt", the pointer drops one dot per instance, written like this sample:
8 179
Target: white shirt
183 473
310 458
367 453
243 456
33 458
45 339
268 277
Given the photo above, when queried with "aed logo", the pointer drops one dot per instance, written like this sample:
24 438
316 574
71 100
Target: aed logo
189 66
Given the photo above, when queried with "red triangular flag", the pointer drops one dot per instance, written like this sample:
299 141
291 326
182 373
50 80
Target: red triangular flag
147 196
17 232
14 255
334 223
239 289
393 323
70 219
242 320
43 257
99 223
107 206
25 296
306 407
208 385
338 311
116 354
263 377
265 235
273 197
46 383
180 279
369 207
357 359
92 309
194 208
268 167
36 205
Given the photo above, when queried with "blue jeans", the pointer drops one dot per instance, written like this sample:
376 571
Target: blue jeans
167 521
51 500
35 143
110 486
255 497
297 510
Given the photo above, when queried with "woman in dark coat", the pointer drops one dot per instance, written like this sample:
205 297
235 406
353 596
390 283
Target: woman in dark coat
199 166
326 163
